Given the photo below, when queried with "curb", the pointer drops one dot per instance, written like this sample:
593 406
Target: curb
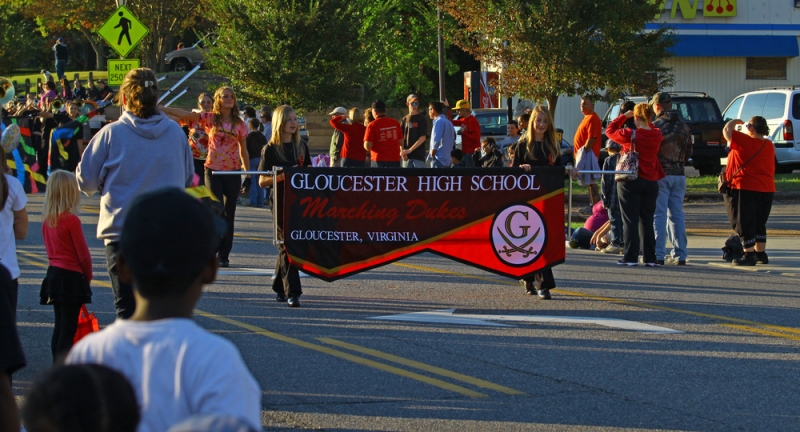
779 196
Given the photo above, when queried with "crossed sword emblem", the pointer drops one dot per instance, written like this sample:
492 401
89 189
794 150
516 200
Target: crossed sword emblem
521 248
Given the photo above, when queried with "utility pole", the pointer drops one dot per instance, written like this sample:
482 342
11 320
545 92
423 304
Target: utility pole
441 55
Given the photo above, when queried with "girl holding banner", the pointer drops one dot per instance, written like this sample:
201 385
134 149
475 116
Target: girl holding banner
284 149
539 147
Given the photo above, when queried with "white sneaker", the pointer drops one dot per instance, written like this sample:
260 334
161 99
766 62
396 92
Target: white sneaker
611 249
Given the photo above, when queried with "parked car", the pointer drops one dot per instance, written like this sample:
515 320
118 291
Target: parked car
780 106
701 113
185 59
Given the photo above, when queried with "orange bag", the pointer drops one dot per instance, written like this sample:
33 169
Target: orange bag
87 323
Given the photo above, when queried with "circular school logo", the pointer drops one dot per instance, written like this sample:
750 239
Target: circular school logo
518 235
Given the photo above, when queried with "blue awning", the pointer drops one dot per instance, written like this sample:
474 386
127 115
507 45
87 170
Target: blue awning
735 46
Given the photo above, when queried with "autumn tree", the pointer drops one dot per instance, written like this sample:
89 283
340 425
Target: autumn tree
575 47
303 52
82 15
163 18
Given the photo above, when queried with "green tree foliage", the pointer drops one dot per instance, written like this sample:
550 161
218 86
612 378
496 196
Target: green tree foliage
400 40
302 52
18 39
573 47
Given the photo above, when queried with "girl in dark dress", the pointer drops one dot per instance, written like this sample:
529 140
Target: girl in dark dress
538 148
284 149
66 285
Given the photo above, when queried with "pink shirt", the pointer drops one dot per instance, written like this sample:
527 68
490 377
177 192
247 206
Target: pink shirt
223 143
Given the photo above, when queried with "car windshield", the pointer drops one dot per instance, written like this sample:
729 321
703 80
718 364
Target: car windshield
696 110
492 123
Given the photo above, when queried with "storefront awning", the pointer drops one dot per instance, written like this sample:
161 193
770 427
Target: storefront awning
735 46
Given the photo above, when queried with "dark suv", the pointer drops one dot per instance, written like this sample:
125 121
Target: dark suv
701 113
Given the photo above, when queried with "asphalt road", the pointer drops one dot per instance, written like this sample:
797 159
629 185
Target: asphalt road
732 363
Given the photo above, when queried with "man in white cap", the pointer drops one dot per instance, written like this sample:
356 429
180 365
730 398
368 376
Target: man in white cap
415 133
337 139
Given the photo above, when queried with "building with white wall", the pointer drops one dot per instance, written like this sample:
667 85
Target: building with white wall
724 48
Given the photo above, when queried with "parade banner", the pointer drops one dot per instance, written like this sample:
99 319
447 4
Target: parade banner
340 221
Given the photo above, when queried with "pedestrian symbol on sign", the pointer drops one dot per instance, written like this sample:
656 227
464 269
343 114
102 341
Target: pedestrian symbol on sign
125 30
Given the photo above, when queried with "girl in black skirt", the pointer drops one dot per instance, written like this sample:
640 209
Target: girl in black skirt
66 285
538 148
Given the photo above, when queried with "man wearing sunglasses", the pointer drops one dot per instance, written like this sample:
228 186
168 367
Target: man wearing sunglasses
415 133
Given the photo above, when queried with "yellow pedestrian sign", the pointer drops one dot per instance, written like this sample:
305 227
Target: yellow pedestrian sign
117 69
123 31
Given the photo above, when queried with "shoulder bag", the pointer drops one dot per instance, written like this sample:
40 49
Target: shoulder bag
628 161
722 182
87 323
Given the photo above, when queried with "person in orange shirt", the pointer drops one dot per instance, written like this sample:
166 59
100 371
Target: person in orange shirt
588 135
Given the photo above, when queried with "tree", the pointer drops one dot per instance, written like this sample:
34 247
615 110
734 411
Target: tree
301 52
399 38
18 39
163 18
84 16
572 47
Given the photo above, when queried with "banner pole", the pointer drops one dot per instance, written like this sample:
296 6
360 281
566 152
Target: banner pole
275 205
176 97
569 209
177 84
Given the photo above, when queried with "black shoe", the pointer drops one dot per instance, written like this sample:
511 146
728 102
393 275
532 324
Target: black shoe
749 259
544 294
280 298
761 258
294 301
224 263
622 262
660 262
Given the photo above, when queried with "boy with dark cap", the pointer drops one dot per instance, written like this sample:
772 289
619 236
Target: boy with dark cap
168 251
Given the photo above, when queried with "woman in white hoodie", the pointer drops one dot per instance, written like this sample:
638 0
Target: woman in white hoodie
143 151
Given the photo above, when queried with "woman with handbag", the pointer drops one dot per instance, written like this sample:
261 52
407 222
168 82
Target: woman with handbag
748 186
638 191
538 148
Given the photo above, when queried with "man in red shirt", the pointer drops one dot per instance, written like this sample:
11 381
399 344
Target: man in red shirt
588 135
470 131
383 138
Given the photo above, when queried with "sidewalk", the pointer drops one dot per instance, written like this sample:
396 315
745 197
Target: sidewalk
784 258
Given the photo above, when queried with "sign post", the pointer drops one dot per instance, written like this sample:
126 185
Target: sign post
123 31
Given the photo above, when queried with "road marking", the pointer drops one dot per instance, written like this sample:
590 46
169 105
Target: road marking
624 302
343 355
325 350
761 331
426 367
446 316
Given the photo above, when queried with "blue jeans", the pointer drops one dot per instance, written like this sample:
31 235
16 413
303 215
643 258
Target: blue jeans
669 219
61 66
414 163
257 193
382 164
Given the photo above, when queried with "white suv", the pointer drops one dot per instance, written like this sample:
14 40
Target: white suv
780 106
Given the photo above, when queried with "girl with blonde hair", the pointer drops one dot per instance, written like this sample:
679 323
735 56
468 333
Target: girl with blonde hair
637 198
283 150
66 285
227 151
538 148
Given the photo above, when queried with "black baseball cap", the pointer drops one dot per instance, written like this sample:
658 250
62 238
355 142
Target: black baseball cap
168 234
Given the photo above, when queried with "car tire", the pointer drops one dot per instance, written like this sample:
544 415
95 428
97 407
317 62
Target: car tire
181 65
783 169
